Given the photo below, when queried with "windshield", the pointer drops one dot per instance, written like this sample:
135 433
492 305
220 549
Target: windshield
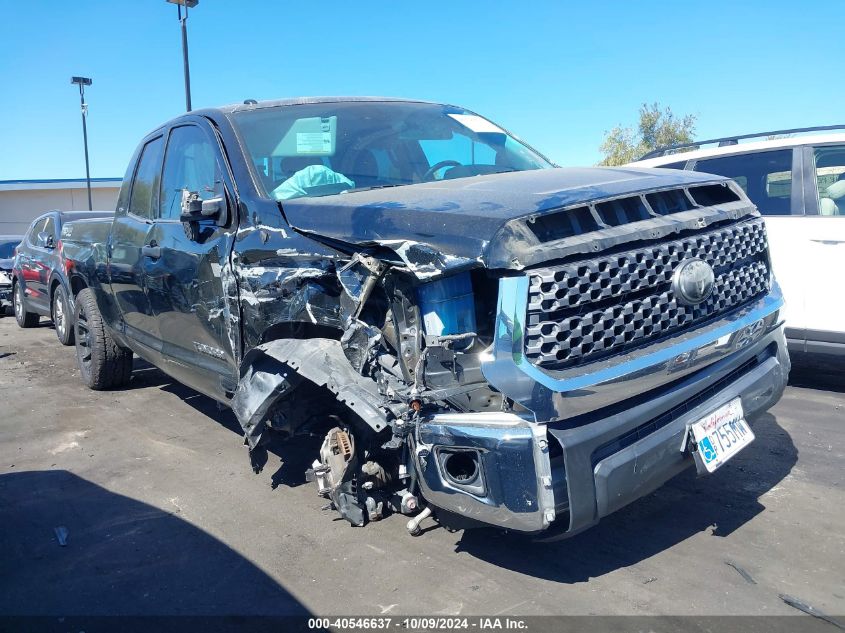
7 249
326 149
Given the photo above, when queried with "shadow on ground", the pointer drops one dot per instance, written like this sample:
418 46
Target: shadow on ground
122 557
294 456
818 372
685 506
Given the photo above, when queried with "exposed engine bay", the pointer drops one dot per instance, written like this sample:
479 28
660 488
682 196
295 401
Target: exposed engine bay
406 349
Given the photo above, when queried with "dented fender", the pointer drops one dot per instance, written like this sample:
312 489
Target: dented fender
272 370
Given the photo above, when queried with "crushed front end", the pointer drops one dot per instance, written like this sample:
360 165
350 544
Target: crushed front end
553 377
602 367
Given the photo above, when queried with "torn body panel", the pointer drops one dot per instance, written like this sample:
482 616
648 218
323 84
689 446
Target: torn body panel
283 277
271 369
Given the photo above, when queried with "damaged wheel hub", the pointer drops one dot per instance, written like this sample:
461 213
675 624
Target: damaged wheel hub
360 493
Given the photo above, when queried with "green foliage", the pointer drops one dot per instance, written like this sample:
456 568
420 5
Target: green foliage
656 128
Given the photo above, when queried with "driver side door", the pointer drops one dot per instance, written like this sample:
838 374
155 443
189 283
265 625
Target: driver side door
197 320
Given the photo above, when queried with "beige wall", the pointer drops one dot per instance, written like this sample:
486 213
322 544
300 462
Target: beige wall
18 208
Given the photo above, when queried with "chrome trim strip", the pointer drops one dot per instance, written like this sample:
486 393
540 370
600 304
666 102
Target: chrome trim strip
564 394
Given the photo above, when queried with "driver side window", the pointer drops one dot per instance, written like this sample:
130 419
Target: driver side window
190 164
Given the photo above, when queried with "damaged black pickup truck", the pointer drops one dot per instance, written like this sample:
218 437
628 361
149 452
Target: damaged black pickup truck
479 335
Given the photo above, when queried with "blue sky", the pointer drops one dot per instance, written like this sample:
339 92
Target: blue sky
558 74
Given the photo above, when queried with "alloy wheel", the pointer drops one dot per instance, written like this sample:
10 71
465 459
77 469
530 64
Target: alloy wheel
83 339
59 318
19 303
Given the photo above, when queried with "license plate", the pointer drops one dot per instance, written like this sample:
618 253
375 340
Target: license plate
721 435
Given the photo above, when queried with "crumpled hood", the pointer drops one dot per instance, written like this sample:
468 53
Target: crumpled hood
453 222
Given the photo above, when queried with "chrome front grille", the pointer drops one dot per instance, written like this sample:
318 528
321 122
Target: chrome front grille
585 310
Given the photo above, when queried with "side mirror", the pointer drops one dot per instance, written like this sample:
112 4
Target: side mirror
216 209
44 240
191 207
195 209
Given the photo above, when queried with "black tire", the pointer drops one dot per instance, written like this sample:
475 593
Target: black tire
24 318
103 363
62 319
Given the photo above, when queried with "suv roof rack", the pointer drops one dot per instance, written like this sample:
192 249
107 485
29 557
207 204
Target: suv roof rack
734 140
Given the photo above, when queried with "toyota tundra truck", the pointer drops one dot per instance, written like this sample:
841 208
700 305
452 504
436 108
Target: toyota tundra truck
480 336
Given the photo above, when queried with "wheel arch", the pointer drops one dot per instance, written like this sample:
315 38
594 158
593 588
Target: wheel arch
55 282
272 370
77 285
15 282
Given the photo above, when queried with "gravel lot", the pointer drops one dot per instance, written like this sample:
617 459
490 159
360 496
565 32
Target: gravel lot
165 516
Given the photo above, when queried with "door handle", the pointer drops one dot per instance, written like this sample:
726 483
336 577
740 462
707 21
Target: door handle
824 241
152 250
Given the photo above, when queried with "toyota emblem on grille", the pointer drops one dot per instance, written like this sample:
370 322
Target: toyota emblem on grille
693 282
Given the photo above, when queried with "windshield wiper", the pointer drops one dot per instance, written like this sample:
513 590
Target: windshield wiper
400 184
397 184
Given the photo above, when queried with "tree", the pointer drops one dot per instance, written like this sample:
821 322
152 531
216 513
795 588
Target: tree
656 128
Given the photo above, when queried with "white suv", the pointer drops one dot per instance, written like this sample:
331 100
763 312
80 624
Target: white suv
798 184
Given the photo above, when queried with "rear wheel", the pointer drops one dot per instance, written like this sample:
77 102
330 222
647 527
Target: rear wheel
61 316
24 318
103 363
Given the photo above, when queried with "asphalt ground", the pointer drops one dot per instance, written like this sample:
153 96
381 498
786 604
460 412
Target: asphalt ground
164 516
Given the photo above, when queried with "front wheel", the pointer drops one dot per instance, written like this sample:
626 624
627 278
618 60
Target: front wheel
61 316
103 363
24 318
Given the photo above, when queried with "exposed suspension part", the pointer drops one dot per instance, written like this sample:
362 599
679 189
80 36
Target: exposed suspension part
359 486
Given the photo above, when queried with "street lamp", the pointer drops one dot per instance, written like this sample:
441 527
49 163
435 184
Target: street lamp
82 82
184 20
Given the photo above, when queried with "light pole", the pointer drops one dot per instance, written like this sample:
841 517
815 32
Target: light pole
188 4
82 82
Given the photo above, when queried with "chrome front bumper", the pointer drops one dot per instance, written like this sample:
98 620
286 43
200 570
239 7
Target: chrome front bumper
514 487
583 445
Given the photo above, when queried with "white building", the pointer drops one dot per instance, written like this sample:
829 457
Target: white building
21 201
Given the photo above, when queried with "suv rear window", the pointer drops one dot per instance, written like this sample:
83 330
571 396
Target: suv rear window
830 179
35 229
765 176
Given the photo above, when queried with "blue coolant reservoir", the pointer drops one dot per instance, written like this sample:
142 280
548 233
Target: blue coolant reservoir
447 305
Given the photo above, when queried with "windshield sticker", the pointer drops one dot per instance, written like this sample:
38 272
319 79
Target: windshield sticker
476 124
313 142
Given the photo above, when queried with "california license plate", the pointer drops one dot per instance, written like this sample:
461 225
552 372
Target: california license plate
721 435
